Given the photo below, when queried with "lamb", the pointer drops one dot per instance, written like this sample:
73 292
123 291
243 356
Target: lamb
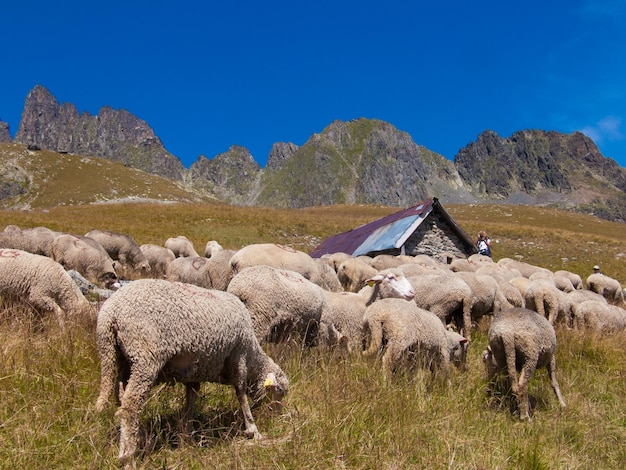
610 288
156 330
43 283
159 258
181 246
277 256
123 248
413 336
93 263
211 273
343 319
283 304
521 340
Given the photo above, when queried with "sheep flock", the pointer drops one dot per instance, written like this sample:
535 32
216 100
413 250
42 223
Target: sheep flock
167 314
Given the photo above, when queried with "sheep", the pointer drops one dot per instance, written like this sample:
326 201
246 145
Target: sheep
212 247
574 278
43 283
77 253
328 277
283 304
526 269
86 287
154 330
462 264
385 261
448 297
123 248
335 259
181 246
599 317
543 297
521 340
277 256
159 258
562 283
487 298
610 288
412 336
34 240
211 273
343 319
353 274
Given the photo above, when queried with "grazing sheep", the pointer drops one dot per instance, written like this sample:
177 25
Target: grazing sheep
610 288
462 264
487 298
155 330
159 258
562 283
411 337
123 248
335 259
353 274
82 256
44 284
343 319
212 247
526 269
520 340
283 304
448 297
87 288
543 297
211 273
277 256
599 317
574 278
328 276
34 240
181 246
386 261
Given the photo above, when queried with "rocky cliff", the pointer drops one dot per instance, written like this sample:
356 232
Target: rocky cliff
116 135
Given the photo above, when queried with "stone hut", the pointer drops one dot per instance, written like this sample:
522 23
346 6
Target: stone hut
423 229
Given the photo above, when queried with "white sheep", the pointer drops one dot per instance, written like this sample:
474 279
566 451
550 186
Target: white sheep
574 278
610 288
44 284
82 255
343 319
277 256
122 248
35 240
543 297
181 246
411 336
155 330
211 247
526 269
159 258
353 273
599 317
211 273
521 340
283 304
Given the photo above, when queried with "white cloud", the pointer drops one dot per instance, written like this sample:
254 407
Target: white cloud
608 128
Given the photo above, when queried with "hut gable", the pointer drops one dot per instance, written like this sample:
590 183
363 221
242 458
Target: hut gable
425 228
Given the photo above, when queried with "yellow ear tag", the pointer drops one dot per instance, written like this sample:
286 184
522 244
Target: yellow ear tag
269 382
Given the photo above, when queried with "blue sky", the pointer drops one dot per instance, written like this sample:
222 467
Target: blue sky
206 75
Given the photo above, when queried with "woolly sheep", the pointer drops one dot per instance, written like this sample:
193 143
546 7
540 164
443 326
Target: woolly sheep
610 288
562 283
78 254
574 278
277 256
386 261
448 297
122 248
34 240
487 298
411 336
599 317
156 330
159 258
328 277
462 264
343 319
283 304
211 273
543 297
526 269
520 340
43 283
211 247
353 274
181 246
86 287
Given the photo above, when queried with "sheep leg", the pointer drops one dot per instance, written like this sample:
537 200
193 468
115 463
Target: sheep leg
522 390
191 393
551 366
135 394
251 430
467 320
376 338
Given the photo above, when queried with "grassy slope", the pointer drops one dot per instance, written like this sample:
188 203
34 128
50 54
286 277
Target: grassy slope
340 413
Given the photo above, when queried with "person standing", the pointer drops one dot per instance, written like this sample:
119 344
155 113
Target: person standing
484 243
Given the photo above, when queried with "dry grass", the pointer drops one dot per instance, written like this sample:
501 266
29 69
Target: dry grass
340 413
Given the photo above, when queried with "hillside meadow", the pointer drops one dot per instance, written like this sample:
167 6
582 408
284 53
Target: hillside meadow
340 412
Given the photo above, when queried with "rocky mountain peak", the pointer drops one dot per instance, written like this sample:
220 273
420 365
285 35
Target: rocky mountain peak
5 134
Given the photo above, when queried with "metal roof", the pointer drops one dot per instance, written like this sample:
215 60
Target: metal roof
386 233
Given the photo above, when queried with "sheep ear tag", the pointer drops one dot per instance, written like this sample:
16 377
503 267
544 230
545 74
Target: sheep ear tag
269 381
